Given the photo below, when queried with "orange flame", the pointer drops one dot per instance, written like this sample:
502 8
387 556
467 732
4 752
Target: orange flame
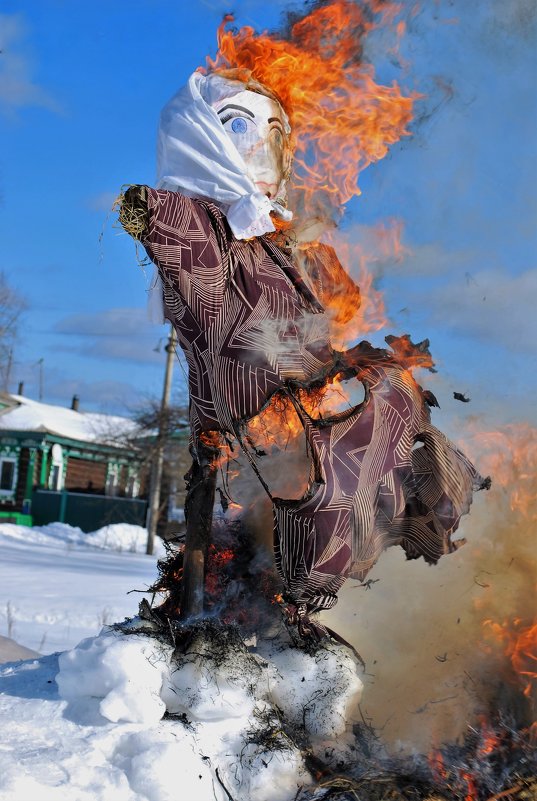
471 791
436 764
342 119
519 646
371 314
510 456
279 424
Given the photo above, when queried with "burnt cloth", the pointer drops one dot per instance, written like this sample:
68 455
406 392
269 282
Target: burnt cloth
250 325
382 475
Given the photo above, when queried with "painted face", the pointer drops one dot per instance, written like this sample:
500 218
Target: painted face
258 128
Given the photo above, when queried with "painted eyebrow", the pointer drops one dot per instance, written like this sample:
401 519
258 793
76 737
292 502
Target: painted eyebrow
239 108
275 119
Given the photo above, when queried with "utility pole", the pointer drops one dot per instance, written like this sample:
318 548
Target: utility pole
158 459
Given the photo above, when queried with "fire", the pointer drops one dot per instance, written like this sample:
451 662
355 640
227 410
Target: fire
524 656
371 315
278 425
342 119
465 776
490 740
275 426
519 646
436 764
471 789
510 455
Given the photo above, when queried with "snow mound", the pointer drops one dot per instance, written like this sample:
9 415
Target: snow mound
320 691
217 720
114 537
126 673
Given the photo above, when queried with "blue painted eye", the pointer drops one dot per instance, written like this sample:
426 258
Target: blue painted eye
239 125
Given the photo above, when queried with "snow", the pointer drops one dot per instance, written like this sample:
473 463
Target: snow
31 415
125 717
59 585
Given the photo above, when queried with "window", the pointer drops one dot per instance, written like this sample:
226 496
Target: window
112 479
55 480
133 486
7 475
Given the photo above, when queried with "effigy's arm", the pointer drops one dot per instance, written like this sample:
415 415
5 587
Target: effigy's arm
185 238
133 212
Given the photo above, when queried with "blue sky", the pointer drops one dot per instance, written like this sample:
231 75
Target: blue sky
81 88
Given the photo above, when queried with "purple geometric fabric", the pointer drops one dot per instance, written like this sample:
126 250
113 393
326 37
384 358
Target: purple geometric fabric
244 317
371 487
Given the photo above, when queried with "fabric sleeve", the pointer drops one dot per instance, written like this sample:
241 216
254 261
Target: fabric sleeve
178 234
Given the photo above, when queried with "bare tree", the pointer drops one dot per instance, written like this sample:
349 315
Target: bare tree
12 304
165 432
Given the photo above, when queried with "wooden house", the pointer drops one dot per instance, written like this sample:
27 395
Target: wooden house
62 464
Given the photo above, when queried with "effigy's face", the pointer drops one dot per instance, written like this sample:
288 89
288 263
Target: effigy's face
257 127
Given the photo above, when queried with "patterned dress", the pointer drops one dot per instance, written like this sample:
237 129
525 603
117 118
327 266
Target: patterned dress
251 326
244 317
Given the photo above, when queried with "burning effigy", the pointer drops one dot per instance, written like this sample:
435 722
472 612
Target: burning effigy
257 155
250 306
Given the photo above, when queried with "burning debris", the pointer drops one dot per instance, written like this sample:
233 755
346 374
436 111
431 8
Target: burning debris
460 396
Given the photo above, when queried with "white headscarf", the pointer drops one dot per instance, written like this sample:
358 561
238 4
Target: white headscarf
196 157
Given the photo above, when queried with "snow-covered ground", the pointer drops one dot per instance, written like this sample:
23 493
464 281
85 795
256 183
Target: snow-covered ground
58 585
87 724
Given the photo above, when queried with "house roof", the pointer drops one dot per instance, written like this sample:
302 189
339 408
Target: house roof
24 414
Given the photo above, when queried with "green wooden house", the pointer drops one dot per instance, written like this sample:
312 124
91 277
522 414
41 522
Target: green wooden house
62 464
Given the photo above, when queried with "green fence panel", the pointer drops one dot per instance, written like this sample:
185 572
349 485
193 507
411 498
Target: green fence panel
45 507
88 512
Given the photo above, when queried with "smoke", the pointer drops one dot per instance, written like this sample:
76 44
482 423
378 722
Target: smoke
432 666
462 187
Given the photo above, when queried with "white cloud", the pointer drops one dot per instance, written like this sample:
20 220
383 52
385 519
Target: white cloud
123 334
17 86
492 305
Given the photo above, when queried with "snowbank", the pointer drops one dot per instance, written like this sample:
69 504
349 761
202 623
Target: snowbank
229 711
115 537
59 585
136 721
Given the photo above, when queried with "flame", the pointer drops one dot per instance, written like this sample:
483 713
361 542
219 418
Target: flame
510 456
278 425
226 461
519 646
275 426
471 789
465 778
371 314
342 119
217 560
436 764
